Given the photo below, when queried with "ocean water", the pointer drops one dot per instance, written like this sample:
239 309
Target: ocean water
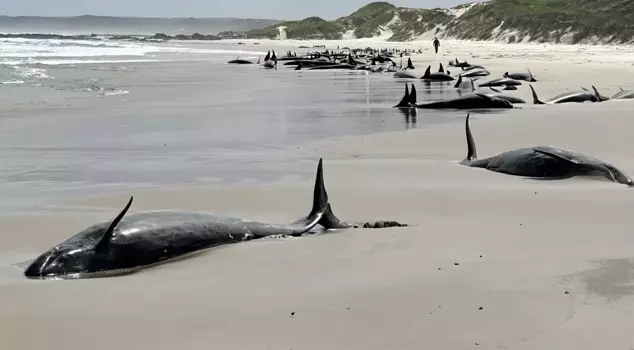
89 117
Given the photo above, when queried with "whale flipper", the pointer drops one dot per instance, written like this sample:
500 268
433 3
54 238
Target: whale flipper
458 82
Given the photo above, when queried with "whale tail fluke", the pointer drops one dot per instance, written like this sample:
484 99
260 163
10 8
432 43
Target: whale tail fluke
471 147
536 99
412 96
321 212
405 101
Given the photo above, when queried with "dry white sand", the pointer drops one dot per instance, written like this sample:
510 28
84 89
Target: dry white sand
495 262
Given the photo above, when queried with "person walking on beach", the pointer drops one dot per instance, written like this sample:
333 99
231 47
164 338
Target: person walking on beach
436 44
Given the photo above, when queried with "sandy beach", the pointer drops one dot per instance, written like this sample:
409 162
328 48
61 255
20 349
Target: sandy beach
491 261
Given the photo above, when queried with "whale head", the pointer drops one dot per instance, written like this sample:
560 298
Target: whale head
83 254
60 262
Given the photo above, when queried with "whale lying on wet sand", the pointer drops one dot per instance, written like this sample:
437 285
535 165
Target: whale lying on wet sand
135 241
429 76
471 101
521 76
572 96
543 162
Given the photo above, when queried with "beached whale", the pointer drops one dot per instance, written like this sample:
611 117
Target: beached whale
459 64
240 61
475 73
499 94
471 101
543 162
429 76
500 82
521 76
623 95
139 240
571 96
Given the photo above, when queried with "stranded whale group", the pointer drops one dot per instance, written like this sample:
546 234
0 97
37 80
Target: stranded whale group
534 162
131 242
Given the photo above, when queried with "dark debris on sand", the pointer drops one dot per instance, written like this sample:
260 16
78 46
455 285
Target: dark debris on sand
383 224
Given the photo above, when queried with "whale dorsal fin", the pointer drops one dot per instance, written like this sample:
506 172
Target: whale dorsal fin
427 72
584 89
441 69
621 88
471 147
536 99
107 237
531 75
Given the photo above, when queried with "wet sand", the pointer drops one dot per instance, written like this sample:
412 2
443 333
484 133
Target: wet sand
493 261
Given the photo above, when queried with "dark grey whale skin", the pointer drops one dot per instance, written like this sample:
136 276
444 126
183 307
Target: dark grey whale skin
472 101
140 240
543 162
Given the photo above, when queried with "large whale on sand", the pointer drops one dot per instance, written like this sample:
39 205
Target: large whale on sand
571 96
471 101
521 76
543 162
500 82
139 240
429 76
475 73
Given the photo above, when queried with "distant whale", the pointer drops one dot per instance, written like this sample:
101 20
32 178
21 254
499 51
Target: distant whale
472 101
623 95
140 240
572 96
500 82
429 76
521 76
543 162
475 73
241 61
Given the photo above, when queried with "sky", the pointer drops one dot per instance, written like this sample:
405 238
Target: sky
269 9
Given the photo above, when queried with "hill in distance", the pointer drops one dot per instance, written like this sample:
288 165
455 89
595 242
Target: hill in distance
128 25
559 21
